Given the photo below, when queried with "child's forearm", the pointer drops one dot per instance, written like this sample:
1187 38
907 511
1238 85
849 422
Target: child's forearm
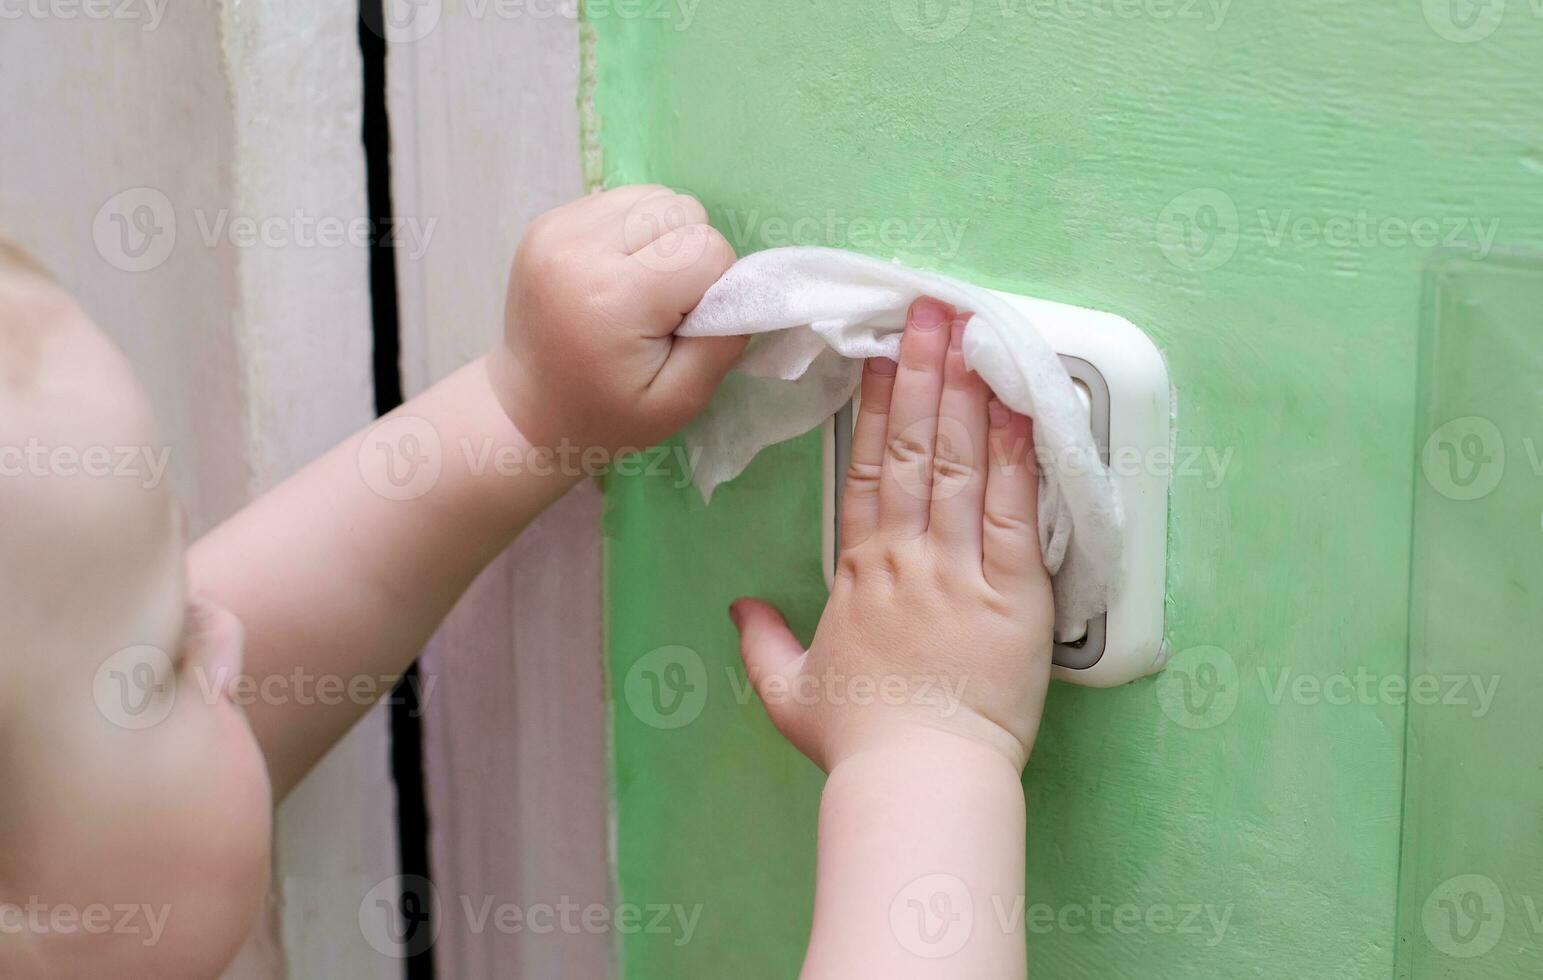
940 586
921 865
342 572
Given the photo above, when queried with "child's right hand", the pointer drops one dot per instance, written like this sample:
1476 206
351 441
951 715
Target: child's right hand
598 287
940 617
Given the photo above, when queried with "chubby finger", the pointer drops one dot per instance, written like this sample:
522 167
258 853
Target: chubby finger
673 272
596 218
860 494
690 374
771 654
610 201
905 483
959 456
1010 555
616 200
651 217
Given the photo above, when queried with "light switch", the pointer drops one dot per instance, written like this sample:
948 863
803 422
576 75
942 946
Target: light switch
1083 393
1123 381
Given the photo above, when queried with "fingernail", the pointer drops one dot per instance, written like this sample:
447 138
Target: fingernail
956 336
882 366
929 314
998 414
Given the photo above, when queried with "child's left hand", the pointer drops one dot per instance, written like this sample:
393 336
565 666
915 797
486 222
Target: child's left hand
940 587
598 287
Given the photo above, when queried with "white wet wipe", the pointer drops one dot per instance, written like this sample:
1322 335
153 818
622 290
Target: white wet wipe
817 313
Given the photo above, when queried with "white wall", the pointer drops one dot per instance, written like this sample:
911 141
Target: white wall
485 125
127 145
127 149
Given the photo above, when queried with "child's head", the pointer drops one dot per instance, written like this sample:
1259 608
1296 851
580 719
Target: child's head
131 780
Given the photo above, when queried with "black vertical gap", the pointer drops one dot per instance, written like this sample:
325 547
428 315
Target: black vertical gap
377 163
406 731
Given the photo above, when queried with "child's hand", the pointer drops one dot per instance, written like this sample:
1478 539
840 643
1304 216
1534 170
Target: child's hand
598 287
941 613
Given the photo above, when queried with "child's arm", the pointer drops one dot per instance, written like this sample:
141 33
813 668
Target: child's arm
341 573
922 691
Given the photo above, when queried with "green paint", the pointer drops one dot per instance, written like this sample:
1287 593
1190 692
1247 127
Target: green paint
1471 901
716 812
1242 181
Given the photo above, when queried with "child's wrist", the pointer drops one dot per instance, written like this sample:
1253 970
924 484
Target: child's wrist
931 752
935 781
512 448
471 464
506 384
550 435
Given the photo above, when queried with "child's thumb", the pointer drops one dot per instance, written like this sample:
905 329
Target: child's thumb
694 369
768 647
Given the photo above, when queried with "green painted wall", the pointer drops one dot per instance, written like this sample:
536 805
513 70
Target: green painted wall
1261 187
1471 895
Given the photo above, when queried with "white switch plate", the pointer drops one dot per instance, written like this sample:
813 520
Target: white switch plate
1126 382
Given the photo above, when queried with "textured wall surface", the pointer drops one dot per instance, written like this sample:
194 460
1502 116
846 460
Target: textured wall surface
1471 882
485 137
1261 187
141 146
